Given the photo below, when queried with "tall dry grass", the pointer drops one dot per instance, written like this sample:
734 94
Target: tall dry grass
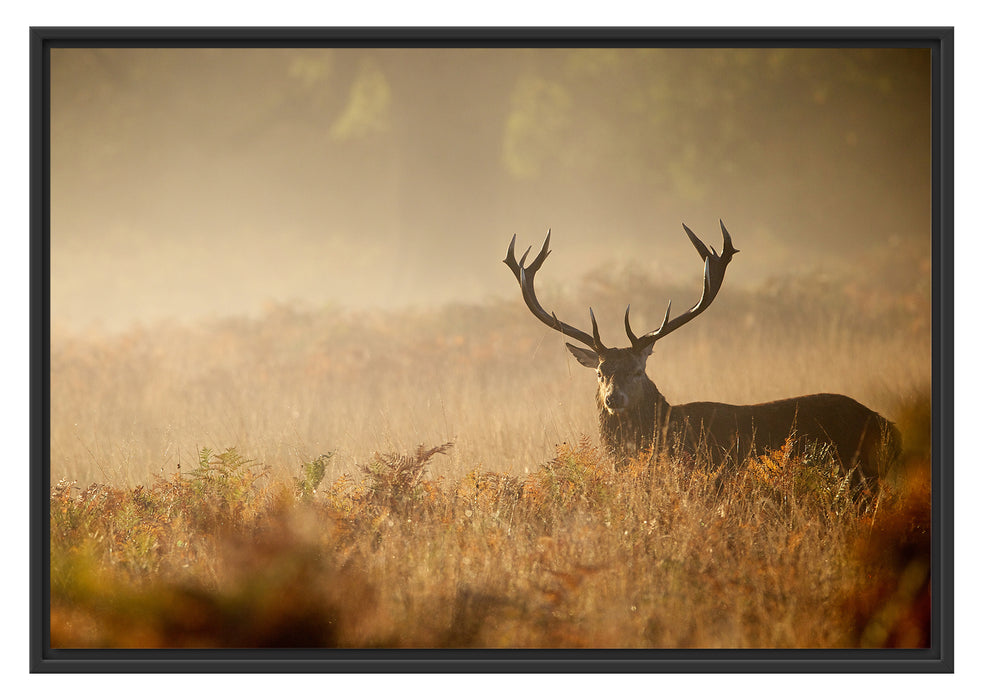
261 482
662 554
293 383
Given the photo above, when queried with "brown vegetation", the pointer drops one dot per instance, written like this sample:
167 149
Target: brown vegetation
573 555
520 535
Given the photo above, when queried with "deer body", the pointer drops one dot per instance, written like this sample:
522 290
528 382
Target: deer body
861 438
632 413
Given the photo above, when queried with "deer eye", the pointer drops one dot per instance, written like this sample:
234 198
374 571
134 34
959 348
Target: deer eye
599 375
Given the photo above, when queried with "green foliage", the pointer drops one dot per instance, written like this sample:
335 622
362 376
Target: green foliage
312 475
396 481
368 111
226 481
536 127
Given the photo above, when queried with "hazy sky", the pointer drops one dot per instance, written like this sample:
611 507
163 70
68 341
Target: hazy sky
193 183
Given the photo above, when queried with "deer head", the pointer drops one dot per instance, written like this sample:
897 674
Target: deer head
621 377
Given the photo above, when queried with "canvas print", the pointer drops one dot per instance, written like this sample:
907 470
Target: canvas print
490 348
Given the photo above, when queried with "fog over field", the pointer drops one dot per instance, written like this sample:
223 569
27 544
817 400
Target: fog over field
193 184
299 252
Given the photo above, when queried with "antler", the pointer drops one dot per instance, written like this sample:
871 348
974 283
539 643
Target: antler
714 266
525 276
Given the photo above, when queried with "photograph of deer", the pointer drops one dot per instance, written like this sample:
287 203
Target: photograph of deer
632 412
296 402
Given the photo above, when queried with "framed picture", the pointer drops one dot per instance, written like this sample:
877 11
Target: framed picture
291 411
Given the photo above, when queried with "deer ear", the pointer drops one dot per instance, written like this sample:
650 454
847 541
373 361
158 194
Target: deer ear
588 358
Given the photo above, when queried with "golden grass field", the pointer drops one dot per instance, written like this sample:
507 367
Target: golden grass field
431 478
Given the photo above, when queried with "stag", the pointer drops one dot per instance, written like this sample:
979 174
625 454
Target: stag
632 412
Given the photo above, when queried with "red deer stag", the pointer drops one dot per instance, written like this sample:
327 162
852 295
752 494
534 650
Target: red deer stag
630 407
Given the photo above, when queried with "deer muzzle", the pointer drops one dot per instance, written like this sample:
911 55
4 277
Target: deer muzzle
615 402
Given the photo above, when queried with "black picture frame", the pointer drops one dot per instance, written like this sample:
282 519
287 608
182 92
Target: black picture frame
936 659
